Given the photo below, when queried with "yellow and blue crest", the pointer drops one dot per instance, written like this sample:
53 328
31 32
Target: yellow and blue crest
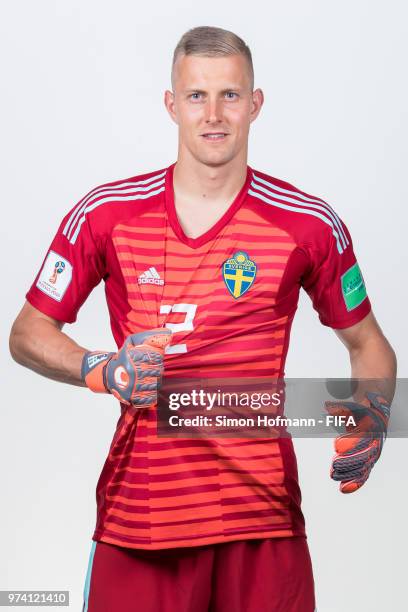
239 273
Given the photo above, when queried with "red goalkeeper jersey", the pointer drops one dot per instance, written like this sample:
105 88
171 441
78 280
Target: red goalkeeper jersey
229 297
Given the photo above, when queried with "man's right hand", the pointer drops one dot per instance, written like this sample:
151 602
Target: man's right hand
132 374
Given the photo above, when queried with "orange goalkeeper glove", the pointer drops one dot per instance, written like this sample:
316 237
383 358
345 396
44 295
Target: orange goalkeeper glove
133 374
359 449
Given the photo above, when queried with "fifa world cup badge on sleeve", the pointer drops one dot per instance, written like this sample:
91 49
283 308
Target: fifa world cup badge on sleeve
353 287
55 276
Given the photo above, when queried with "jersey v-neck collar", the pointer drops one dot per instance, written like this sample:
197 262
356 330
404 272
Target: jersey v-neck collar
217 227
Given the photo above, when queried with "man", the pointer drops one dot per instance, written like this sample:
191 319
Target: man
215 253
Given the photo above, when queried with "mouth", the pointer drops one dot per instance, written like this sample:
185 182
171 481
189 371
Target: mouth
214 136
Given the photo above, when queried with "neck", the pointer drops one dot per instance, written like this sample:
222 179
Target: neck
193 180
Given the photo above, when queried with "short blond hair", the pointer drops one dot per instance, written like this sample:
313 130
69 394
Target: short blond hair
208 41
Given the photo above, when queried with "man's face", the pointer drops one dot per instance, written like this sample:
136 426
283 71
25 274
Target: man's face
213 105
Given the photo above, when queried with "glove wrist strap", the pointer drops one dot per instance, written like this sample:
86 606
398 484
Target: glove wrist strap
93 370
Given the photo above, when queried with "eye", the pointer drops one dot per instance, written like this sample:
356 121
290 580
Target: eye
231 95
195 95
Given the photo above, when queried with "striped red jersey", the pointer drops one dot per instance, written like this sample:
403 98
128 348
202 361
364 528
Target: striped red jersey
229 296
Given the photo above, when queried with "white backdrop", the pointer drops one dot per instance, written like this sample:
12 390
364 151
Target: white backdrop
82 104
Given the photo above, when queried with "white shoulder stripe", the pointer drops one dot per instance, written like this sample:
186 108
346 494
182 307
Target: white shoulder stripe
312 212
290 191
105 189
119 195
306 201
342 236
139 196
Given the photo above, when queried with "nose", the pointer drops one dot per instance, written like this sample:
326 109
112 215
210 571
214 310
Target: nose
213 110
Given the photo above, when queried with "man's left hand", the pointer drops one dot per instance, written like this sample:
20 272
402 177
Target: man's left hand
358 450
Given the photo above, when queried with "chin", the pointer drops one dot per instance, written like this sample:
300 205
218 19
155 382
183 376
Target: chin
214 160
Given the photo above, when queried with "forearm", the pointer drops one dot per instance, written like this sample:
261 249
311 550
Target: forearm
374 364
48 351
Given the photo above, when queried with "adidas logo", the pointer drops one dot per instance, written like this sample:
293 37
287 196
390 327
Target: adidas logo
150 277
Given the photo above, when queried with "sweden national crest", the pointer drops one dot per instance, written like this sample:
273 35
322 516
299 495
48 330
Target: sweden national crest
239 273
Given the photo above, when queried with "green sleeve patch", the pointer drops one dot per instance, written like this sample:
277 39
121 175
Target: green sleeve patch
353 287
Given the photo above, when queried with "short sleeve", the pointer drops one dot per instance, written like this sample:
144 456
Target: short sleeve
334 280
72 267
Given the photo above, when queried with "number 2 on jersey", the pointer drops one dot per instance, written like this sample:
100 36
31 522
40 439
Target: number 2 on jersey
187 325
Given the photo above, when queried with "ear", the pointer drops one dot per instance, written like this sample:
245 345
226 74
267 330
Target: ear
257 102
170 104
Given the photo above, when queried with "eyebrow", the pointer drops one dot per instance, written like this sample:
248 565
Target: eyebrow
202 91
